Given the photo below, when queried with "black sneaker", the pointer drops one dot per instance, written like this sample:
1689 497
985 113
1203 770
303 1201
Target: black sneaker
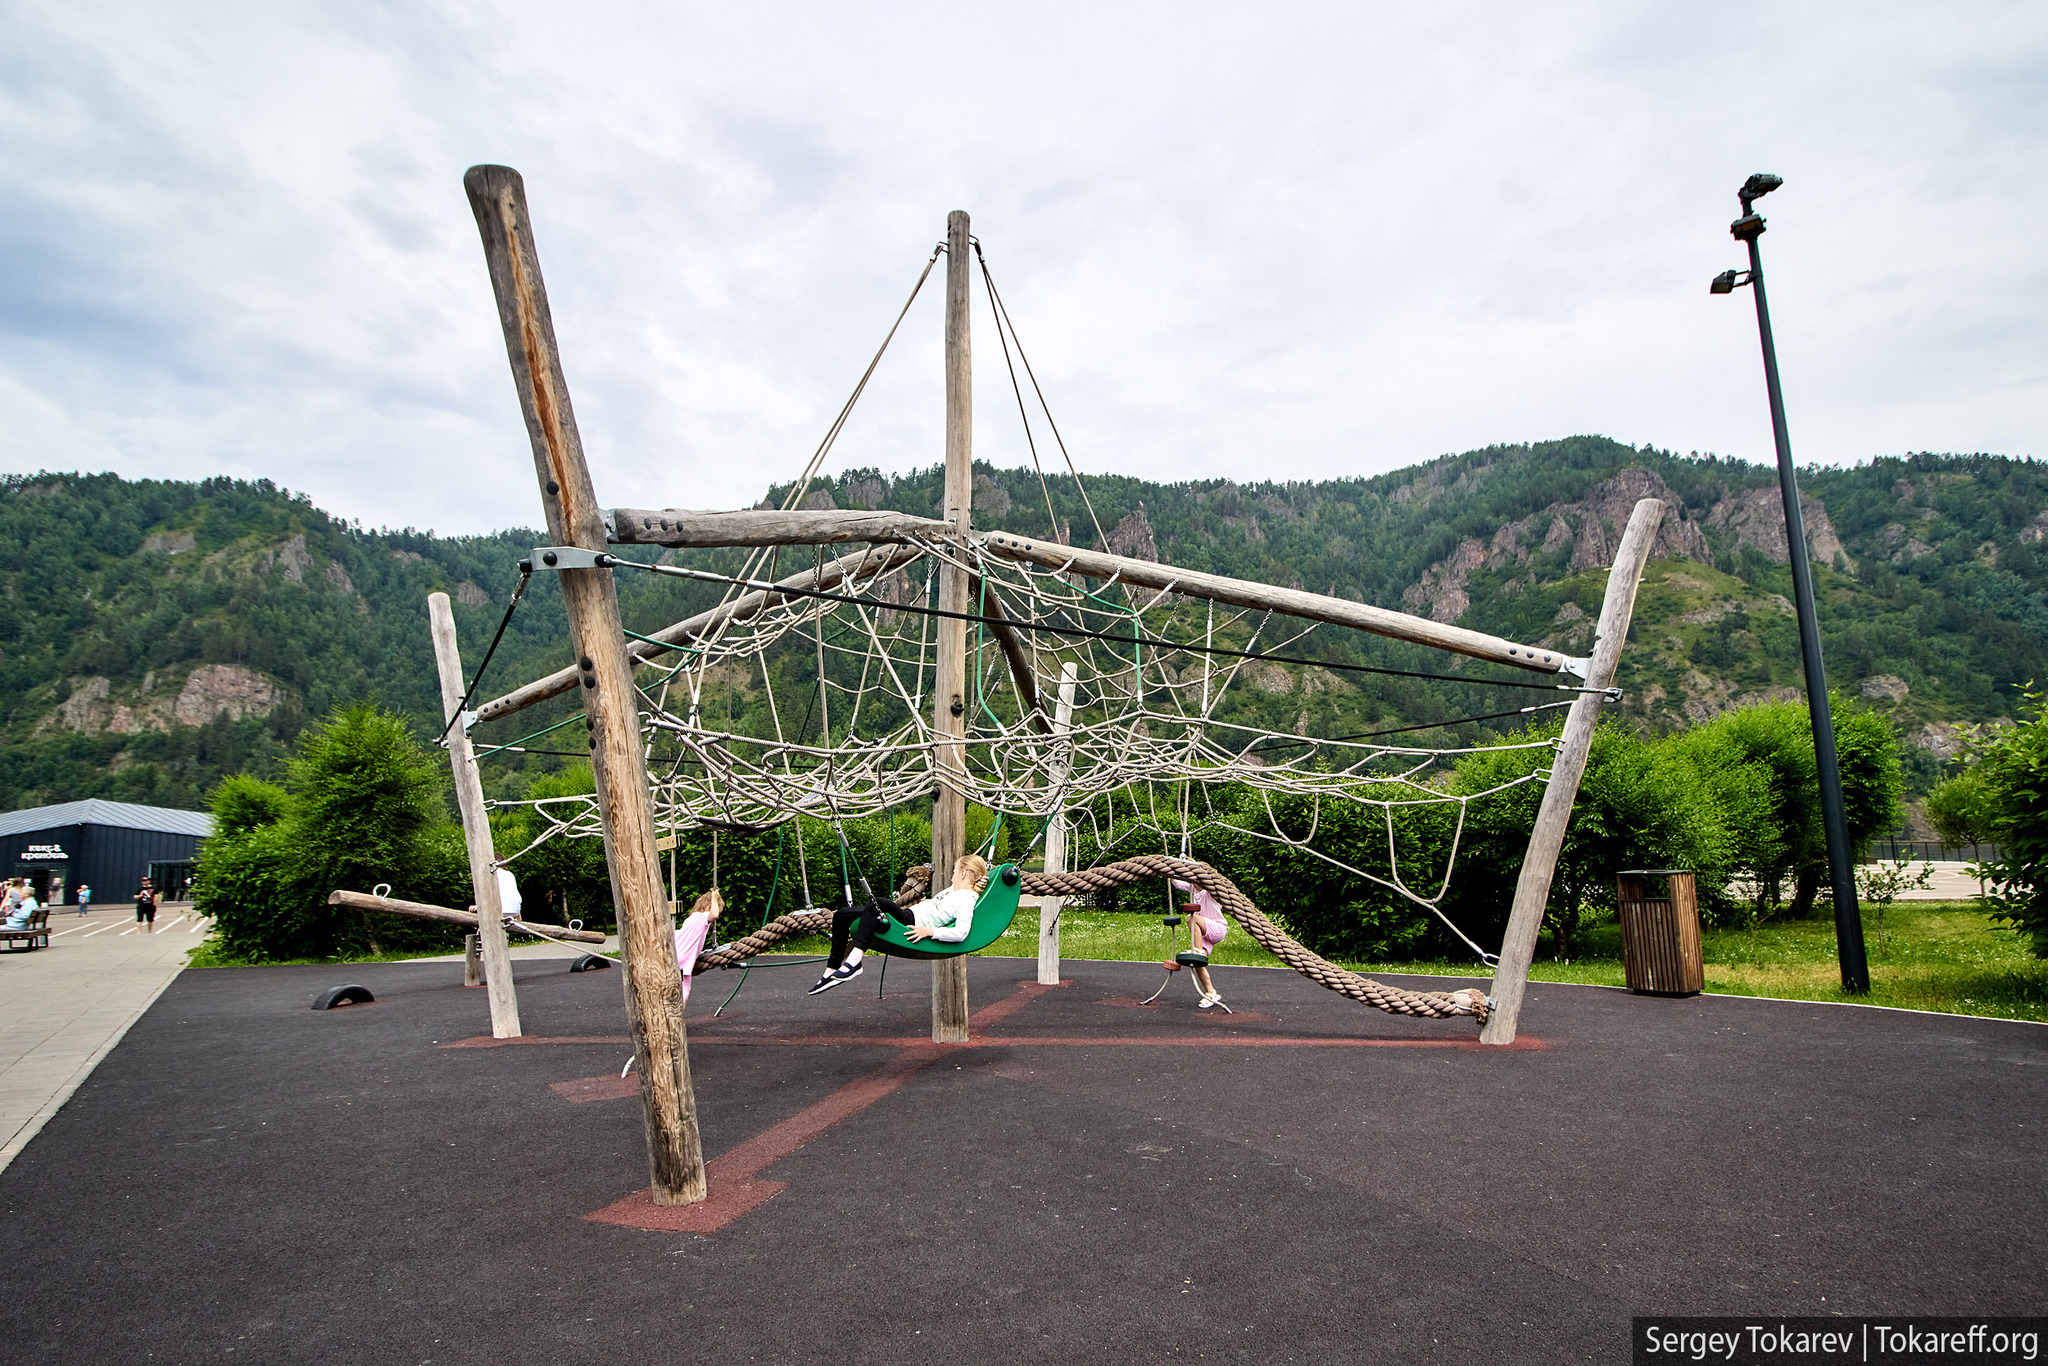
845 972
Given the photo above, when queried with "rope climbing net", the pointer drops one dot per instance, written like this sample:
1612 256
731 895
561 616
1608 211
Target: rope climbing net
1082 695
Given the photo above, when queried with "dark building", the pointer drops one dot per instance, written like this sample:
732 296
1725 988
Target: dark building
109 846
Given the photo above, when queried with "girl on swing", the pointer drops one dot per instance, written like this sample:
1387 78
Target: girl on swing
943 919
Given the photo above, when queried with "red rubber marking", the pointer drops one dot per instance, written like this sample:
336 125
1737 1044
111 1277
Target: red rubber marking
607 1087
486 1041
1026 992
734 1189
1522 1045
729 1199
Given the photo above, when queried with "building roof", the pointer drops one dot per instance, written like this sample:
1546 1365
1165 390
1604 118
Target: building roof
122 815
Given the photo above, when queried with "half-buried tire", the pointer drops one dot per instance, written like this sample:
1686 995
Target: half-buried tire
350 995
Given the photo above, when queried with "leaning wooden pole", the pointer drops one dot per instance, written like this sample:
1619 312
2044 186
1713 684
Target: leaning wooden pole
1532 888
1056 827
949 693
476 824
653 987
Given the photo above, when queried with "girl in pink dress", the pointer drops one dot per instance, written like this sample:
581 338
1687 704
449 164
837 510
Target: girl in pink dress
1206 928
696 929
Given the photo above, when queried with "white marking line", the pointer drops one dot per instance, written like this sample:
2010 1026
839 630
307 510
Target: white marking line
59 934
104 928
198 924
174 922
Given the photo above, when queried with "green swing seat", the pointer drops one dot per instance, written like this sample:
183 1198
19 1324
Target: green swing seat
993 912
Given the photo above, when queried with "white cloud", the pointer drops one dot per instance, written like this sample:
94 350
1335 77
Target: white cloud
1293 240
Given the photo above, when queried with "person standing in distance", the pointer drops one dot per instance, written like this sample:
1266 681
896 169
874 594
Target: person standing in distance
145 907
84 897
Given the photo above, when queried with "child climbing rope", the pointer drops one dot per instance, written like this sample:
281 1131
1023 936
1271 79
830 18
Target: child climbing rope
945 919
696 929
1206 928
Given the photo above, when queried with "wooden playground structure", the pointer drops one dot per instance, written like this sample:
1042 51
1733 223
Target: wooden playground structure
582 530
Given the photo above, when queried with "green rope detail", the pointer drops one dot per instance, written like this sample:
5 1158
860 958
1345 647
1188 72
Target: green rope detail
536 735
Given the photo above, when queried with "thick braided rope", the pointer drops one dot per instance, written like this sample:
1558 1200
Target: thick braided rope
1432 1004
1276 941
795 925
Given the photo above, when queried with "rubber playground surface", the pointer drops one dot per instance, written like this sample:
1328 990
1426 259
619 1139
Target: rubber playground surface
245 1179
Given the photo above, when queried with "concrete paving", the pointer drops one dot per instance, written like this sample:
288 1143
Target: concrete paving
1945 882
64 1007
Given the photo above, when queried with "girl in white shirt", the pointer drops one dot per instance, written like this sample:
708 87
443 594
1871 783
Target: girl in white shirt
943 919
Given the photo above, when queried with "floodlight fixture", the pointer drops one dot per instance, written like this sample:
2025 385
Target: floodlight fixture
1756 187
1724 283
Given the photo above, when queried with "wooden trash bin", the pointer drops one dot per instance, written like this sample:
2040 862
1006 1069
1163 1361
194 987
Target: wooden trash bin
1660 936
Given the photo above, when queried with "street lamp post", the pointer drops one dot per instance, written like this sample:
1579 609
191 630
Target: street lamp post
1841 873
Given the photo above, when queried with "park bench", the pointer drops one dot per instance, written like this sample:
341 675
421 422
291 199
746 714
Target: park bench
34 935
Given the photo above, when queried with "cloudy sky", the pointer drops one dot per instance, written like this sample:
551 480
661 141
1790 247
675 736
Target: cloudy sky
1273 240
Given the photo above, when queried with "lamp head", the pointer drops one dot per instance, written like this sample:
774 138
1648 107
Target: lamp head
1724 283
1756 187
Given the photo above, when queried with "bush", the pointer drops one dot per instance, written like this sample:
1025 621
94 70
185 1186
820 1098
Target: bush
1775 813
1641 804
241 804
1330 908
364 806
2014 769
1961 810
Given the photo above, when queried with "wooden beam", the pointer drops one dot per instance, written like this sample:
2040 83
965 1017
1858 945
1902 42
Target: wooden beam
611 706
448 915
687 529
476 823
1291 602
949 692
1554 815
1056 830
743 608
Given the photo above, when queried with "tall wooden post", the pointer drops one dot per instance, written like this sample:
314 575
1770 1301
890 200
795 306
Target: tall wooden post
476 826
1056 828
949 693
652 985
1532 888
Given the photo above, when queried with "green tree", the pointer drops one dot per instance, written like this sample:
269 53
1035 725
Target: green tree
242 803
364 807
1961 810
1640 804
1776 740
2014 765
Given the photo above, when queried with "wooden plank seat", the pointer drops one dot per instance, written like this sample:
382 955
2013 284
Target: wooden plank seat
34 935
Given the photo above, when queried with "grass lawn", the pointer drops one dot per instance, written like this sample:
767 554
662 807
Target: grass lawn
1943 956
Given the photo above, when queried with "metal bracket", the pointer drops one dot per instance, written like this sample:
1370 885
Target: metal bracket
1577 668
570 557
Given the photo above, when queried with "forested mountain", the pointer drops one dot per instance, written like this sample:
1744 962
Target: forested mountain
157 635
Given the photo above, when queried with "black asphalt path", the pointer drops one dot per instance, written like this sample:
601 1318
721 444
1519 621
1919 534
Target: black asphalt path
245 1179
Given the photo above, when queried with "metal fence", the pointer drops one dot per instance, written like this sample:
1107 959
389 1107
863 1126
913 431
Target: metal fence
1890 850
